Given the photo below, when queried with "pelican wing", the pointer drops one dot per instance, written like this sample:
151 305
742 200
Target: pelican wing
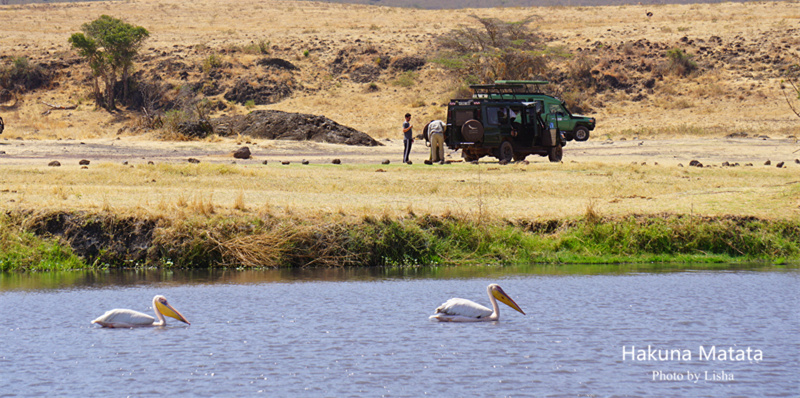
119 318
458 309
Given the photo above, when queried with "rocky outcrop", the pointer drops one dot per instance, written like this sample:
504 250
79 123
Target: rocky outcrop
278 125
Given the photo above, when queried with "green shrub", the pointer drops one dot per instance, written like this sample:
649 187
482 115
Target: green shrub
405 79
211 62
680 63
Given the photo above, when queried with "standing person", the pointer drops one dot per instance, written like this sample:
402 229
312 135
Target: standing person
408 138
436 134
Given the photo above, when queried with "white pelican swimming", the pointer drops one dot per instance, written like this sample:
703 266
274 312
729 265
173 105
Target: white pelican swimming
119 318
463 310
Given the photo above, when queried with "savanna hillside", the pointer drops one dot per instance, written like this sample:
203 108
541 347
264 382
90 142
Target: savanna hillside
660 73
364 66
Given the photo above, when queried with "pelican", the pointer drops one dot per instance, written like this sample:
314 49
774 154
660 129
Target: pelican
463 310
119 318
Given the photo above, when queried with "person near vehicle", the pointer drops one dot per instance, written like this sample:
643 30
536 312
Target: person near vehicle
408 138
436 136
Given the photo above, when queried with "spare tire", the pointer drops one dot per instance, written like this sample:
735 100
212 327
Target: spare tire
472 130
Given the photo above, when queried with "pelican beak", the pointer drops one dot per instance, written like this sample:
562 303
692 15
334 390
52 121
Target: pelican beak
500 295
167 310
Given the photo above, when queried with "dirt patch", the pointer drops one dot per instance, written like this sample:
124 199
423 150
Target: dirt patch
278 125
100 240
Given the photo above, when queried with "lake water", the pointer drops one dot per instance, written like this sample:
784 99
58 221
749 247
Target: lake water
354 333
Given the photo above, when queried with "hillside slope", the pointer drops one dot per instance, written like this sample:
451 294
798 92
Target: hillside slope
356 64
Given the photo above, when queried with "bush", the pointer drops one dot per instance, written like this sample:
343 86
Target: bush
211 62
405 79
680 63
21 76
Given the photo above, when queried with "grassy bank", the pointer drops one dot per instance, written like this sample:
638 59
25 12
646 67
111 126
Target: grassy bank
58 240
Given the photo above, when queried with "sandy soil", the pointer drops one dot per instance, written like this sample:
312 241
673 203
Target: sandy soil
709 151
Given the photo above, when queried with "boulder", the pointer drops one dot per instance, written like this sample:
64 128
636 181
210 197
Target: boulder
278 125
242 153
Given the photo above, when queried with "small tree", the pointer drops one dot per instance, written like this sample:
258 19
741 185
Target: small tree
792 92
496 50
109 45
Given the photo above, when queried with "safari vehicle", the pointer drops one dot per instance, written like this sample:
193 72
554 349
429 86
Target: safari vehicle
553 110
506 129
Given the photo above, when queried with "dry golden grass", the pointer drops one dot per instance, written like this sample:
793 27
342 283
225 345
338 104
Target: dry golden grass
536 190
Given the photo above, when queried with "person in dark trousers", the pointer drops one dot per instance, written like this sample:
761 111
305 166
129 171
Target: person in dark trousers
408 138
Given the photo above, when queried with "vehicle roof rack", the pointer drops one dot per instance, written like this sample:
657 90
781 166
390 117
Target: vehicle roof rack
504 88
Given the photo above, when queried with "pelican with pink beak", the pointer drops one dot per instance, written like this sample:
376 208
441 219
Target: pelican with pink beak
121 318
463 310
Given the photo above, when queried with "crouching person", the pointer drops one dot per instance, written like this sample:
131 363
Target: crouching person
436 136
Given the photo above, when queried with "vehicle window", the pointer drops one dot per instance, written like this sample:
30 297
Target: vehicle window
557 109
539 107
493 116
466 114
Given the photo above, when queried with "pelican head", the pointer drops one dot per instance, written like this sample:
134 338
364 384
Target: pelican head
497 292
161 305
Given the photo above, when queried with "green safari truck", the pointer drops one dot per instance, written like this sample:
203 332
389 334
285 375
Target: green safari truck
552 110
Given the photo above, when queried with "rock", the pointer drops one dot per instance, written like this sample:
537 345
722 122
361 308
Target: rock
797 161
336 161
385 161
779 165
304 161
278 125
193 160
767 163
406 64
83 162
54 163
695 163
264 162
242 153
380 171
680 164
150 162
262 91
285 162
84 167
726 164
277 63
196 128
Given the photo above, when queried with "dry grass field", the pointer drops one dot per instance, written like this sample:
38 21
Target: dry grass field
630 165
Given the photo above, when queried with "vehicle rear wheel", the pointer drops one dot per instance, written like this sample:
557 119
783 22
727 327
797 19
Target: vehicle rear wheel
581 133
555 154
506 152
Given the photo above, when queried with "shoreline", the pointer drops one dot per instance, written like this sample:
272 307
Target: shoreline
75 240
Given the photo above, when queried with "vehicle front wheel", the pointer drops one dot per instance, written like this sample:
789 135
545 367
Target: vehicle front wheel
555 154
581 133
506 151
